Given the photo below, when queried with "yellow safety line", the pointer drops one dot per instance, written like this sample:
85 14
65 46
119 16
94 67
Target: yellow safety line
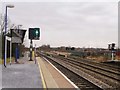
43 81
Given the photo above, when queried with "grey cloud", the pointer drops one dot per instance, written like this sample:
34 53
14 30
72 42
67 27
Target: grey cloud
70 23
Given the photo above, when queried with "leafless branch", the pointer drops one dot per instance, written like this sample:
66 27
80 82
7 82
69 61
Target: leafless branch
2 23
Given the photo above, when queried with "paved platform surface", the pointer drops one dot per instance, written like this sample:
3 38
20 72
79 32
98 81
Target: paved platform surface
28 75
52 77
23 75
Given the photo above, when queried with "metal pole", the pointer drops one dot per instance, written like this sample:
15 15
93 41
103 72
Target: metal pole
112 55
5 54
30 50
35 54
10 51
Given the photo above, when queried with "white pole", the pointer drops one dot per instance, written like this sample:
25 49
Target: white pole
5 38
10 51
8 6
5 51
112 56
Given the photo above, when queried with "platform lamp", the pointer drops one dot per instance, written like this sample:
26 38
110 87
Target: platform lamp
5 54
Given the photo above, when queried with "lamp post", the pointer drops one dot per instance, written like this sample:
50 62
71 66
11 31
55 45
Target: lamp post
5 54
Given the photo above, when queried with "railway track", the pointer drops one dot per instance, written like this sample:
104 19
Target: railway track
106 74
106 66
82 83
107 70
102 77
115 70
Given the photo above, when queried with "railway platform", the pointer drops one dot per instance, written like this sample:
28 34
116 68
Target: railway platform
24 75
27 74
52 77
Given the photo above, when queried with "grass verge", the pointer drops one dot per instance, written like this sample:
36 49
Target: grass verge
8 60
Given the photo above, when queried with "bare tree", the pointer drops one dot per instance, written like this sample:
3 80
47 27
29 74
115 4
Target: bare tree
2 24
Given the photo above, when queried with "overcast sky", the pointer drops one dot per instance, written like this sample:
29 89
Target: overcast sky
79 24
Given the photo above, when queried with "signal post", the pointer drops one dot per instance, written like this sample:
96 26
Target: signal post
34 34
111 47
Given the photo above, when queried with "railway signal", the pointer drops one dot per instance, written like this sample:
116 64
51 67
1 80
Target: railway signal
111 47
34 33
